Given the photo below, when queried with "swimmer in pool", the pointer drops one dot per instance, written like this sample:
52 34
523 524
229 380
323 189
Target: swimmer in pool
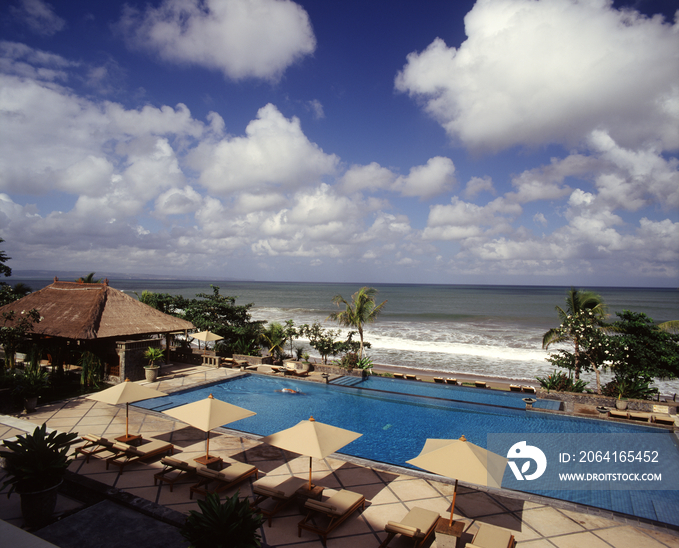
289 391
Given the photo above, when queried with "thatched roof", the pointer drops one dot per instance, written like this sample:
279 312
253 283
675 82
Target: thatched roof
82 311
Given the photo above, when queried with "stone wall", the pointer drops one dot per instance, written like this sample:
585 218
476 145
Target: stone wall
132 361
254 360
571 398
334 370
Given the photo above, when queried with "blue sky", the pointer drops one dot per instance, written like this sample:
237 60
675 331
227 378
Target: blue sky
492 142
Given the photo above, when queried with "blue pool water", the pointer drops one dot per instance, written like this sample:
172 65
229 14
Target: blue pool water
396 417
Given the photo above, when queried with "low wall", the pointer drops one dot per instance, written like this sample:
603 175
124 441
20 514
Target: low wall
254 360
334 370
571 398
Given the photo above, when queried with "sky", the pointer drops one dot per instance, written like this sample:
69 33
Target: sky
518 142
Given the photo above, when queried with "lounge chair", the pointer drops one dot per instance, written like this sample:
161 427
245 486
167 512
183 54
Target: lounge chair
664 419
95 444
283 493
127 454
481 384
418 524
640 416
224 479
450 380
411 377
490 536
529 389
338 508
174 470
399 376
438 379
514 388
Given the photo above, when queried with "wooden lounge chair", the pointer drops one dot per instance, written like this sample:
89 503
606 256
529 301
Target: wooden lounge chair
174 470
283 493
490 536
438 379
514 388
129 454
481 384
94 445
411 377
617 414
214 481
664 419
338 508
418 524
640 416
529 389
399 376
450 380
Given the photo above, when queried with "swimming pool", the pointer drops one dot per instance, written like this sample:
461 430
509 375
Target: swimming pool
395 425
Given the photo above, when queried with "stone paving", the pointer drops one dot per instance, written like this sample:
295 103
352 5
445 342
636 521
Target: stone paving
390 491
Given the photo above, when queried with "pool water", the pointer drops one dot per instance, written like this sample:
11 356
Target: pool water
396 424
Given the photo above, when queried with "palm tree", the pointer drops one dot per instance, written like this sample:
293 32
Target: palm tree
361 310
89 279
577 301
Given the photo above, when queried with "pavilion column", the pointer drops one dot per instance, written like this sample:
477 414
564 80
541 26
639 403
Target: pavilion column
167 348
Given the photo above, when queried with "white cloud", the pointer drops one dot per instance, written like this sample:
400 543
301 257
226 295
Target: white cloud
39 16
477 185
462 220
532 73
273 152
240 38
435 177
367 178
317 108
178 201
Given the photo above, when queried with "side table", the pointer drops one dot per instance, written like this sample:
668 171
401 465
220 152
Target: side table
212 462
304 493
446 534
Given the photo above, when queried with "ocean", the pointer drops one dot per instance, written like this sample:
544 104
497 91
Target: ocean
446 329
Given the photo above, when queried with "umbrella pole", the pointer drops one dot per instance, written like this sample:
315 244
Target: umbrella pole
452 507
310 487
207 447
127 419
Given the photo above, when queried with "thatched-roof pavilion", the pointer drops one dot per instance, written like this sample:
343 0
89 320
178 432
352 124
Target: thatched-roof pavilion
87 313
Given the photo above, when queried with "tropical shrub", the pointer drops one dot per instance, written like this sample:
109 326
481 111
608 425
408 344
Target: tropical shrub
154 354
91 369
561 382
231 524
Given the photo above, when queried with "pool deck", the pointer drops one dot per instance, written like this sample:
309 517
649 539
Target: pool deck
115 510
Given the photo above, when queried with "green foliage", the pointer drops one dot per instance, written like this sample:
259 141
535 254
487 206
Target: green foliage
244 346
349 361
580 306
361 310
37 461
273 336
561 382
91 369
32 382
232 524
154 354
4 269
89 279
324 341
365 363
640 352
220 314
164 302
14 330
634 388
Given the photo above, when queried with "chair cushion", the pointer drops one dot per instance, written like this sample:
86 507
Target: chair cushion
236 470
326 507
284 489
121 446
93 438
343 500
394 527
490 536
421 519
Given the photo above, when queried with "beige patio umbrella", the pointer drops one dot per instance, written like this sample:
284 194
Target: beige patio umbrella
126 392
313 439
206 337
461 459
207 414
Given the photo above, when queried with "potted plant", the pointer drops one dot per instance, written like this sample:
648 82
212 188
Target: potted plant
621 402
153 355
233 524
30 384
35 464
